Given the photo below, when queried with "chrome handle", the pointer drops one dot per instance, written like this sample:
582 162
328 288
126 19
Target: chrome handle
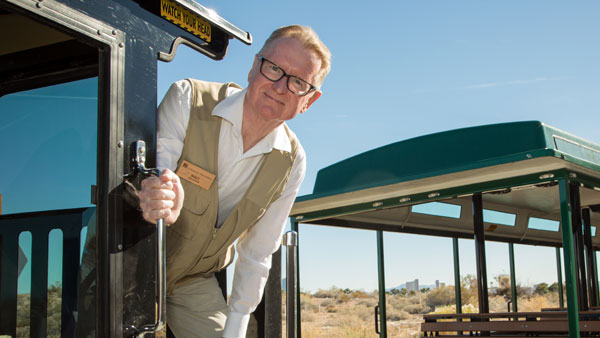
161 284
161 257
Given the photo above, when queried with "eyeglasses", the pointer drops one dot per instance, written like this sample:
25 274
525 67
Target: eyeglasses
274 73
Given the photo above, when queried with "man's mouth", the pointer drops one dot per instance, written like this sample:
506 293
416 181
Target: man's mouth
273 99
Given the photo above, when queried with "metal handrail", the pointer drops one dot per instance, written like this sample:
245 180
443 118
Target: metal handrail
161 281
161 257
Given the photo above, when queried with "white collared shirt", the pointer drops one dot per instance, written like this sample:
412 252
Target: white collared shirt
236 171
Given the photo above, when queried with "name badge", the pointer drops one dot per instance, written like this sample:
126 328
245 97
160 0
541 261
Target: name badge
195 175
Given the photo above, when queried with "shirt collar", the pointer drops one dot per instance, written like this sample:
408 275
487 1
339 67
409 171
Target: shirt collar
231 110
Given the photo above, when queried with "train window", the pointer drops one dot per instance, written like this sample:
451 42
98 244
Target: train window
543 224
49 138
48 132
577 150
438 209
499 217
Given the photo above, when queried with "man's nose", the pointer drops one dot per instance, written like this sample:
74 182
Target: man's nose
281 85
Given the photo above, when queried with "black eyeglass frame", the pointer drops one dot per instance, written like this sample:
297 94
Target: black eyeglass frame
284 74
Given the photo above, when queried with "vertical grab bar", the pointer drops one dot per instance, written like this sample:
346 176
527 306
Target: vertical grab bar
161 281
290 241
161 257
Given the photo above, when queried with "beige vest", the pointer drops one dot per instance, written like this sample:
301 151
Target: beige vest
195 247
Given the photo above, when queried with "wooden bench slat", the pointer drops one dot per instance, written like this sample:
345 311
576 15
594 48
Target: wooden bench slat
510 326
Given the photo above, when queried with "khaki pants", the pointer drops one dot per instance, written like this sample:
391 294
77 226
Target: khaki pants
197 310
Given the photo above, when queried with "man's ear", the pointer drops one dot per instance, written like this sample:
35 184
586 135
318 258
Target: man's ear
311 100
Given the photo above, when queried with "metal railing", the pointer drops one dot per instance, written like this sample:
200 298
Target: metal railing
40 224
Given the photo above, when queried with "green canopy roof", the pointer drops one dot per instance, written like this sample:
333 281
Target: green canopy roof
514 165
452 151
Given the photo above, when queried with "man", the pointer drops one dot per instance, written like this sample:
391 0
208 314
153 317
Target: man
233 169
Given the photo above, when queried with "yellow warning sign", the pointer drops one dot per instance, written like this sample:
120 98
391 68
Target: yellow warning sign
185 19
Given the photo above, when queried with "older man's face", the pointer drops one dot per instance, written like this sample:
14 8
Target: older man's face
272 101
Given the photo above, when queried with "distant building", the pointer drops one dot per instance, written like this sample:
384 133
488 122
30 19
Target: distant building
439 285
412 286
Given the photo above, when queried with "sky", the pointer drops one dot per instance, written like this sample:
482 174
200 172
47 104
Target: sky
400 69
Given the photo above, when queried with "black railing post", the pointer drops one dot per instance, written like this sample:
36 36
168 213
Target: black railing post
39 282
268 313
580 275
290 241
8 282
561 292
592 274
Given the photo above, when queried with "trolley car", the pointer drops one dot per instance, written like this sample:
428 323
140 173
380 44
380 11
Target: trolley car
538 171
78 88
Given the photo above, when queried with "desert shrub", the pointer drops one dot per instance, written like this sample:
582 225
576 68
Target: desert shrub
368 302
54 312
468 308
308 317
497 304
417 308
331 308
541 289
343 297
536 303
524 291
417 298
398 302
330 293
327 302
365 314
354 331
440 296
468 289
359 294
504 289
23 306
393 314
307 305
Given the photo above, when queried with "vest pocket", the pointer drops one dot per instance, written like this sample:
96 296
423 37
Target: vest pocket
195 203
196 199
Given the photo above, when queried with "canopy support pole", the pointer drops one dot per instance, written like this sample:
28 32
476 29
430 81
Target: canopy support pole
513 276
381 271
565 196
482 290
457 286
